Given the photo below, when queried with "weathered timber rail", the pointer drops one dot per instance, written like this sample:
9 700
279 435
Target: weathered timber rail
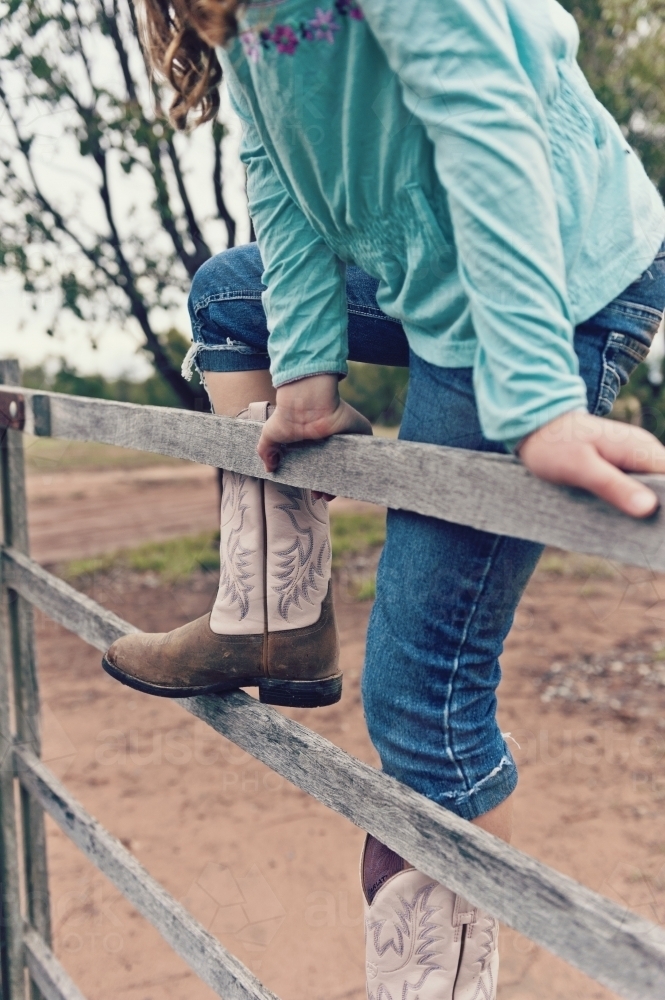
609 943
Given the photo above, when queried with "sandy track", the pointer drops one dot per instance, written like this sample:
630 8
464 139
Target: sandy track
274 874
74 515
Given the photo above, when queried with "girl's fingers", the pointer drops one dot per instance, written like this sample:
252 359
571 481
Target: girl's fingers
630 448
279 430
579 449
607 482
269 448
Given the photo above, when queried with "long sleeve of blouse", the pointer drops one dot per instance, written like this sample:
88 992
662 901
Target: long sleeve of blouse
305 296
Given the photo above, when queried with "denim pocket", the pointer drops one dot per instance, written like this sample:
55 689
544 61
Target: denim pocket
621 356
638 310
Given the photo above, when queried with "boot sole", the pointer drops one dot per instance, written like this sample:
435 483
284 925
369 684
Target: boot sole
272 690
301 694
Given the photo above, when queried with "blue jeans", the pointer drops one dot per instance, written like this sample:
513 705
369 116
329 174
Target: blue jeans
446 595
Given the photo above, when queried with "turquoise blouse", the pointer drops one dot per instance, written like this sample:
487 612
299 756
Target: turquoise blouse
455 152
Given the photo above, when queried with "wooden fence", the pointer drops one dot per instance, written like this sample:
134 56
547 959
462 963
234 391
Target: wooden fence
612 945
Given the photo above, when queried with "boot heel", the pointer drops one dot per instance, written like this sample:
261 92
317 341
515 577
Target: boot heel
301 694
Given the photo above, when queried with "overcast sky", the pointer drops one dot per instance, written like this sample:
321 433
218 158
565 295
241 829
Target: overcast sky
23 329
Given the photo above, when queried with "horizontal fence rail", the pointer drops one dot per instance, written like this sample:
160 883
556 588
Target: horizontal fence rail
617 948
490 492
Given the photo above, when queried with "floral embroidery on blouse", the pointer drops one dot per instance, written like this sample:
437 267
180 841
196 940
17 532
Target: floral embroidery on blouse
287 37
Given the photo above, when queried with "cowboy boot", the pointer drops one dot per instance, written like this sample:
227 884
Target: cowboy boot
272 624
421 939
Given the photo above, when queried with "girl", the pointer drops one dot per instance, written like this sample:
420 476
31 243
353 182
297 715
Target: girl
432 184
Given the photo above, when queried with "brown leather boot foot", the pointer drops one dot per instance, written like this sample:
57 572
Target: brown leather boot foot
296 667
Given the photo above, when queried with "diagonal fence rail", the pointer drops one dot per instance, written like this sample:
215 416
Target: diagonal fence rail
611 944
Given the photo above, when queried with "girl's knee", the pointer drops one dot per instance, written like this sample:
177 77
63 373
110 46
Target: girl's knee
232 272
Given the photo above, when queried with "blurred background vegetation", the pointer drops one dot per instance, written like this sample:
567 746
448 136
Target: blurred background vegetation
155 390
378 391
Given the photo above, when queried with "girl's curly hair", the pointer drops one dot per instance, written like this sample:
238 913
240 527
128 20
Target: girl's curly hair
179 38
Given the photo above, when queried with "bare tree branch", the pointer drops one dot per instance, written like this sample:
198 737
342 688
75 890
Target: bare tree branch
111 25
52 234
139 310
202 250
218 133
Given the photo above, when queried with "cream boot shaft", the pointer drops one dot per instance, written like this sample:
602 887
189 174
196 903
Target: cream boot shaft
423 940
272 624
275 554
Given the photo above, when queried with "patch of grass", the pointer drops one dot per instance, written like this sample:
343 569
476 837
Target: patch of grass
172 560
366 589
385 432
178 558
88 567
45 455
355 533
575 565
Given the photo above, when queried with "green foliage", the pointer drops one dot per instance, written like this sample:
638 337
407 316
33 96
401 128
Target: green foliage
378 391
355 533
67 379
622 52
154 390
366 591
172 560
651 398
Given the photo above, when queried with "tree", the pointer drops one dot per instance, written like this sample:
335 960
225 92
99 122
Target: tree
378 391
152 391
98 203
622 52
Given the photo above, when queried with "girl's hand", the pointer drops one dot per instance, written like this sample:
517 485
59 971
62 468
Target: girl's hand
578 449
308 410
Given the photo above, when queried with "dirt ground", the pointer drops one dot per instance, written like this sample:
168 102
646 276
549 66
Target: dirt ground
271 872
75 513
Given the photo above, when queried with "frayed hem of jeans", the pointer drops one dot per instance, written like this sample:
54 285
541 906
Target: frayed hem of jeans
190 361
460 797
486 794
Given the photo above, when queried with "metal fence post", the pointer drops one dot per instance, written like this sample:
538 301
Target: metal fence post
20 722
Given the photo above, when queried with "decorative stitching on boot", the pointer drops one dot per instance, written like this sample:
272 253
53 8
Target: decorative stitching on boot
234 571
414 934
297 567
